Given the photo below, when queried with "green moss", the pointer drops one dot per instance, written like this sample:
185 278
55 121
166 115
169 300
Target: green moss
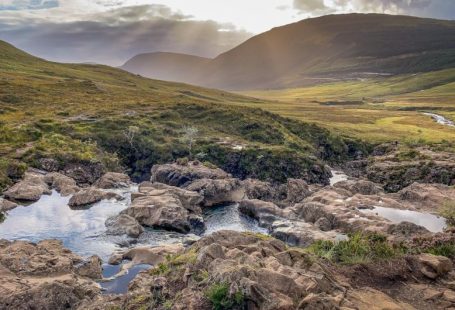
161 269
218 295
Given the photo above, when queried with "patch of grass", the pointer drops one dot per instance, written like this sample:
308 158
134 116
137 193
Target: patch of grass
447 250
360 248
218 294
2 217
448 211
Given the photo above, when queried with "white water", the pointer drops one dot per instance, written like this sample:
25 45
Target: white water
337 176
441 119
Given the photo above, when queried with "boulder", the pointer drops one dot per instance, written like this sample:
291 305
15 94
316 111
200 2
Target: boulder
433 266
84 173
363 187
160 211
123 224
90 196
427 197
297 190
113 180
30 188
299 233
149 255
45 276
6 205
182 175
406 230
265 212
62 184
90 268
218 191
256 189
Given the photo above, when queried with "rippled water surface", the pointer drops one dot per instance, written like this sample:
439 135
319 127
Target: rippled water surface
431 222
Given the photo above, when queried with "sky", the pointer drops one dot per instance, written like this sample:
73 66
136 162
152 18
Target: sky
112 31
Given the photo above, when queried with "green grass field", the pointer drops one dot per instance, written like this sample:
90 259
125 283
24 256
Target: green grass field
377 110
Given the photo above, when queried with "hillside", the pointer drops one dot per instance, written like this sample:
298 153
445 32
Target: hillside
67 116
331 48
165 66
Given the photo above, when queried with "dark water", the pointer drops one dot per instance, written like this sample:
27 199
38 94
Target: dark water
119 285
431 222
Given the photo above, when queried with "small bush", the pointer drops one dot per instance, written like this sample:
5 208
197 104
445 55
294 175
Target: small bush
219 296
183 161
448 211
360 248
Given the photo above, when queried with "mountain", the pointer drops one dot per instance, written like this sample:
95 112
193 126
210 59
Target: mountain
165 66
329 48
61 116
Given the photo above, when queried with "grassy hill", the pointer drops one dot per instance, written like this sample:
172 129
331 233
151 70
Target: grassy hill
85 114
330 48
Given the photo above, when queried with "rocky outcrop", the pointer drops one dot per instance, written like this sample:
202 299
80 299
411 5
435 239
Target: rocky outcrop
182 175
427 197
166 207
218 191
256 189
90 196
146 255
113 180
362 187
30 188
64 185
45 276
123 224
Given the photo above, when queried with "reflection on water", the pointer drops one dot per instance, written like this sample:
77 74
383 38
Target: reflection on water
120 284
337 176
82 231
431 222
228 217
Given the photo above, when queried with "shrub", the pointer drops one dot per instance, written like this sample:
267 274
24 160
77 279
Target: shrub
448 211
219 296
360 248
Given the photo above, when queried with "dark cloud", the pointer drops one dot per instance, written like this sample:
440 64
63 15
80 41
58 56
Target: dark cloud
16 5
115 36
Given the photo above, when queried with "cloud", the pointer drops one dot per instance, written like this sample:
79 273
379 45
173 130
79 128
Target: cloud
383 6
114 36
312 7
16 5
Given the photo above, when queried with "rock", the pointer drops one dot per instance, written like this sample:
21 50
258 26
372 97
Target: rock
6 205
449 295
30 188
42 276
406 229
91 268
84 173
62 184
265 212
113 180
360 187
371 299
90 196
265 191
146 255
123 224
181 176
299 233
433 266
190 200
297 190
427 197
218 191
160 211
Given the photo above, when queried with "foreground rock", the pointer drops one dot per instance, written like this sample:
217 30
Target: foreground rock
218 191
166 207
182 175
6 205
123 224
45 276
113 180
30 188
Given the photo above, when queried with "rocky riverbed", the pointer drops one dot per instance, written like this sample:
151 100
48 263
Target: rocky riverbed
167 242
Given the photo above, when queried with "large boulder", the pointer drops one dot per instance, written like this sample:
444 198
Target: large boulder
256 189
297 190
427 197
45 276
146 254
218 191
113 180
30 188
263 211
6 205
433 266
84 173
123 224
182 175
64 185
90 196
299 233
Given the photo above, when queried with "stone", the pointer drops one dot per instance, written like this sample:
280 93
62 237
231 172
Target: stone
297 190
449 295
182 175
218 191
123 224
90 196
265 212
90 268
113 180
30 188
6 205
362 187
433 266
64 185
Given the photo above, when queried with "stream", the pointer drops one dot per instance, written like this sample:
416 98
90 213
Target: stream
441 119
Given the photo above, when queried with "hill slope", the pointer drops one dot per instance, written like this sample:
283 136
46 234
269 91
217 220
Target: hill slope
331 48
165 66
90 117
